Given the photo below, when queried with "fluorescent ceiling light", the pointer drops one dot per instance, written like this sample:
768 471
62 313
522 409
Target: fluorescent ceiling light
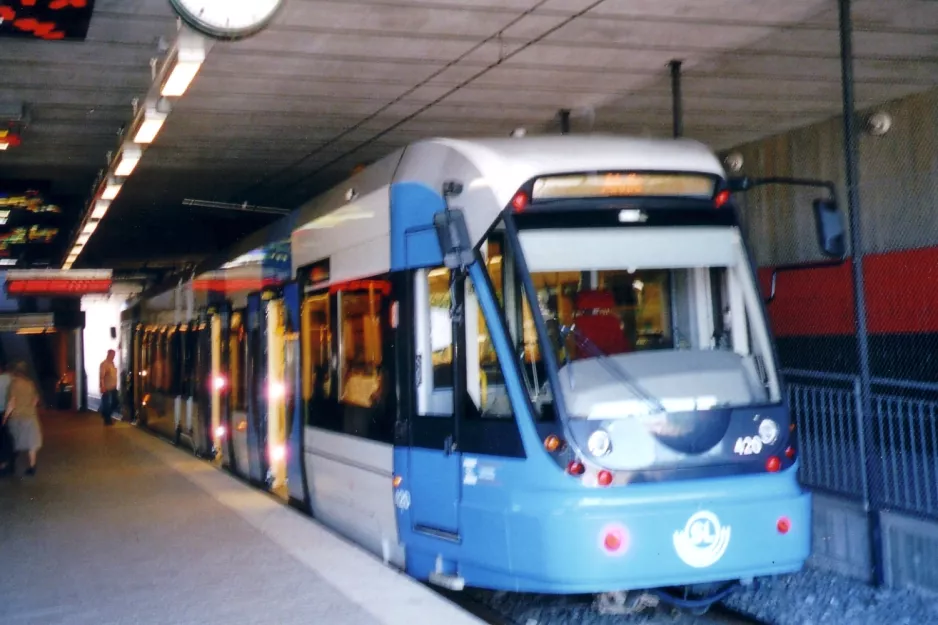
153 121
191 48
90 226
7 262
129 157
100 209
111 189
82 239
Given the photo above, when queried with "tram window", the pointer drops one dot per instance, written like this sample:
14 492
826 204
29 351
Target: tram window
364 378
237 353
485 380
437 340
159 362
179 364
317 358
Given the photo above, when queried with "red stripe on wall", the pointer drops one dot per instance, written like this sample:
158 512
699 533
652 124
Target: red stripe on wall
902 291
901 296
810 302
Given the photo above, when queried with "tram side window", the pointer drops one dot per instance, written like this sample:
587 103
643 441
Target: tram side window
179 364
436 345
237 353
159 356
485 380
317 362
365 361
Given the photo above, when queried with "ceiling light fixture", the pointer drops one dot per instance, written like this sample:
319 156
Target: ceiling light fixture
112 188
153 119
171 77
129 158
190 54
100 209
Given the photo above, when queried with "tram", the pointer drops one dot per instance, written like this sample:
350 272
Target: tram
534 364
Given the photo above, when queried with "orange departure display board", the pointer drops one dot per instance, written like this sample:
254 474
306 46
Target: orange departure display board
571 186
52 20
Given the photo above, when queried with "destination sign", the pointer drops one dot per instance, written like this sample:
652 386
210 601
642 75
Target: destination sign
623 185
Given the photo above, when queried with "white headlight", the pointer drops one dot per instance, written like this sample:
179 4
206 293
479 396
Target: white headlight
598 443
768 431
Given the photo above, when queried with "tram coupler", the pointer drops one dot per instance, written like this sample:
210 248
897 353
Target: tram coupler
625 602
702 604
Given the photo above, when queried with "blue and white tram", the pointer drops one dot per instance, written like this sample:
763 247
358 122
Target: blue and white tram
583 398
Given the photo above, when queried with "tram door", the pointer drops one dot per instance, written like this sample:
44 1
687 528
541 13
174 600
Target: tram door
267 427
219 426
293 419
435 464
203 388
235 358
256 393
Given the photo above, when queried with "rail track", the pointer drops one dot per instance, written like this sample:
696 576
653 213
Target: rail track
569 611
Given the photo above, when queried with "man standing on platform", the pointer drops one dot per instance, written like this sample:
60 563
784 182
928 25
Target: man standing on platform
108 380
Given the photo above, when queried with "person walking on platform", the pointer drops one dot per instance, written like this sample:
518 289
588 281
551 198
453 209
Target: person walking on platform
7 453
21 415
108 380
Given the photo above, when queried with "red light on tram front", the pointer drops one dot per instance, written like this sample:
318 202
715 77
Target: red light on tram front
604 478
790 453
519 201
614 539
576 468
773 464
722 198
783 525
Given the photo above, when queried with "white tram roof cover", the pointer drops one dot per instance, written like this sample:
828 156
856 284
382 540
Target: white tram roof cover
350 223
506 164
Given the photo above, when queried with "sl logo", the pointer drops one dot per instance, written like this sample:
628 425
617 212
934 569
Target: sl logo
703 541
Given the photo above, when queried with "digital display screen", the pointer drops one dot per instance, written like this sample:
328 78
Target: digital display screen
623 185
50 20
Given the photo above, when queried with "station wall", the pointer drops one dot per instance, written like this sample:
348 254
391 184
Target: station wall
812 314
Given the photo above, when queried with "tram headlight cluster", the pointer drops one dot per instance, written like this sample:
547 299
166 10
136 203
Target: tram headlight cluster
599 444
768 431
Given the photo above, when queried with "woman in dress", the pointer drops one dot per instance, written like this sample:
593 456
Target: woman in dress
22 417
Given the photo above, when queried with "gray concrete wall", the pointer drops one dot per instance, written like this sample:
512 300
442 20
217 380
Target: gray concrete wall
898 183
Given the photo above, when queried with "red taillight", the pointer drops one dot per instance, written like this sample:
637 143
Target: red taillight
773 464
790 453
519 201
604 478
575 468
722 198
614 539
783 525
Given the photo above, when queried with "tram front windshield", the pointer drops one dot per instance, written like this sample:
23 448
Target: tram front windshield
643 321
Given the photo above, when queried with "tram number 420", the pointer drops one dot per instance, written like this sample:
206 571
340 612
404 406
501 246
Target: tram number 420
748 446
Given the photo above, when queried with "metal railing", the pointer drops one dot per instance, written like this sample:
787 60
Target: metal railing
835 447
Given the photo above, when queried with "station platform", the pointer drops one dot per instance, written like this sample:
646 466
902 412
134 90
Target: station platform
118 527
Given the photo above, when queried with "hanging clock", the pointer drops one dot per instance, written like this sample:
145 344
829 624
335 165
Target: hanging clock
227 19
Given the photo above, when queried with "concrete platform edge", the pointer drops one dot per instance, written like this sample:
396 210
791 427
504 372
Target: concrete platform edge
388 595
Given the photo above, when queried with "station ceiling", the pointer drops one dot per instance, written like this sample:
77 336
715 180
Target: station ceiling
331 84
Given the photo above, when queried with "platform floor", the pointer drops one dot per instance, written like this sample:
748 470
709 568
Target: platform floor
119 527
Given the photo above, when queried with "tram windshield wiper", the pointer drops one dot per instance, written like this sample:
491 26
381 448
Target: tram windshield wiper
610 365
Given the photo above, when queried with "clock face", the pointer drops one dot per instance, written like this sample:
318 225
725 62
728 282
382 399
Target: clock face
227 19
